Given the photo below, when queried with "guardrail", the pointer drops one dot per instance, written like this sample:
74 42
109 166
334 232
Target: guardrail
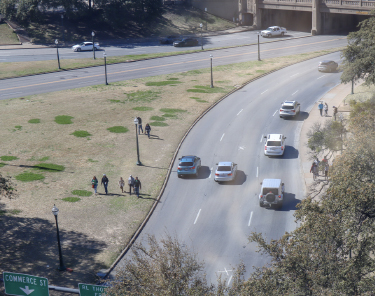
367 5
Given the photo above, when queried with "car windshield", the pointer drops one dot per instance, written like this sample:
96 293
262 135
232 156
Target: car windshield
186 163
224 168
268 190
274 143
269 29
287 107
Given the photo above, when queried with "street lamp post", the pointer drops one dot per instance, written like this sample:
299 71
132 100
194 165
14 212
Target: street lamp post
57 51
62 25
258 47
212 80
352 85
201 25
136 136
93 44
105 67
205 10
55 212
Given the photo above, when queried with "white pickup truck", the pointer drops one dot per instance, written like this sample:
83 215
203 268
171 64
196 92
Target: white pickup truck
273 31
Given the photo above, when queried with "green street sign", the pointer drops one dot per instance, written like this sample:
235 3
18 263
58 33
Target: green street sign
91 290
24 284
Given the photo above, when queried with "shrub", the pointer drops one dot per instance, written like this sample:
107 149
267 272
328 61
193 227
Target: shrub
8 158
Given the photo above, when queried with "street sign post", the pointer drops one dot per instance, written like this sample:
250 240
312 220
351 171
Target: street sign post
91 290
24 284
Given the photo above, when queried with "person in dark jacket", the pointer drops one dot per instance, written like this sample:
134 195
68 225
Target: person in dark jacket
105 183
137 186
131 184
148 130
139 125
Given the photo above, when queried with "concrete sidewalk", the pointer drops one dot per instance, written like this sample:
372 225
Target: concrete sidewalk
335 97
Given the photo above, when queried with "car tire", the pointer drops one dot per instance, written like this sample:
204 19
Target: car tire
78 49
179 176
282 34
268 35
281 116
261 204
95 48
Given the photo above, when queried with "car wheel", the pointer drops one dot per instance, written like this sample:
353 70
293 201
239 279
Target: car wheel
269 35
281 116
78 49
261 204
282 34
95 48
179 176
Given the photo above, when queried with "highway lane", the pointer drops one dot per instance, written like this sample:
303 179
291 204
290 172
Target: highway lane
25 86
215 220
137 46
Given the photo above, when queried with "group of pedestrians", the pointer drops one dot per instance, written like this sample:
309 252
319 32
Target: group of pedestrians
133 183
147 128
315 168
324 107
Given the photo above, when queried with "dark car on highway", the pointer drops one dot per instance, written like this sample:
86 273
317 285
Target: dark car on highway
186 42
168 39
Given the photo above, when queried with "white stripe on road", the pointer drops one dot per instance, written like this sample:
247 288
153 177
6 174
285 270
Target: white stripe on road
264 91
239 112
251 216
294 74
257 171
274 113
229 280
261 139
320 77
197 216
210 173
294 92
222 137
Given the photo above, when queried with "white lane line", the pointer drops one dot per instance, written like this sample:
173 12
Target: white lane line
264 91
229 280
294 92
294 74
222 137
261 139
210 173
197 216
320 77
10 94
274 113
257 172
239 112
251 216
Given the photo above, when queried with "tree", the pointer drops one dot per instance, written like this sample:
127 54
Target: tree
7 188
359 55
165 268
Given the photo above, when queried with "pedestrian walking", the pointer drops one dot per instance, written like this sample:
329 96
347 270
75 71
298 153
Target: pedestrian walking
326 109
121 184
326 169
334 112
139 125
314 170
105 183
94 184
148 130
137 186
130 183
320 106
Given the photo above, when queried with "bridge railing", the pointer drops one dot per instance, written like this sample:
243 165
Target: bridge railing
368 5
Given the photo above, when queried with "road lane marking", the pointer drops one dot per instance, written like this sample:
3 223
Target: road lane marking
257 172
294 74
197 216
20 92
239 112
261 139
241 148
222 137
229 280
210 173
294 92
274 113
264 91
251 216
320 77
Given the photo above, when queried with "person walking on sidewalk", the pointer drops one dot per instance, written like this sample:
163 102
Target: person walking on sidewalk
121 184
131 184
314 170
137 186
94 185
140 125
320 107
326 169
325 109
334 112
148 130
105 183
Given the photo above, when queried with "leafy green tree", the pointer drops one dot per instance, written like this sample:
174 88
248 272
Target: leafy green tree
8 8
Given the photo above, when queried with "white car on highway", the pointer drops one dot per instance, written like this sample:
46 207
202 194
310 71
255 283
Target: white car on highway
85 46
274 145
273 31
226 171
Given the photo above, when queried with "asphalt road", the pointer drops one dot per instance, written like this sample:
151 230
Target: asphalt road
136 47
25 86
215 220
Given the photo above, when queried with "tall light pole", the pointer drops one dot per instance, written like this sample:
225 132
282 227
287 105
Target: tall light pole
136 136
57 50
352 85
205 10
258 47
201 25
93 44
105 67
212 79
55 212
62 25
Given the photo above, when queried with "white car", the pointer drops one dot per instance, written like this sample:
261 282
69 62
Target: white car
226 171
273 31
85 46
274 145
271 193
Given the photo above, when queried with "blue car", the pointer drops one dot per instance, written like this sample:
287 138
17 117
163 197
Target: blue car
189 165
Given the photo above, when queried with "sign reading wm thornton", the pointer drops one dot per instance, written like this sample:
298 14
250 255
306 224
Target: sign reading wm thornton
23 284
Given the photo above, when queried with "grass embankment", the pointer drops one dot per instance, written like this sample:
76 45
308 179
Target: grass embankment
7 35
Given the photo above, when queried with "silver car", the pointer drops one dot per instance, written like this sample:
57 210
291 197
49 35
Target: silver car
289 109
85 46
327 66
274 145
226 171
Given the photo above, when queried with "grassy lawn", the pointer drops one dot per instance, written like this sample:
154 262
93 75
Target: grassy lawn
89 131
7 36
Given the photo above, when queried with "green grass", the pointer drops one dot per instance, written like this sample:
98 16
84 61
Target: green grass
91 160
173 79
2 164
169 115
158 123
28 177
64 119
44 158
51 167
18 127
143 96
35 120
71 199
7 35
115 101
157 118
169 110
81 134
162 83
143 108
8 158
82 192
198 99
118 129
206 89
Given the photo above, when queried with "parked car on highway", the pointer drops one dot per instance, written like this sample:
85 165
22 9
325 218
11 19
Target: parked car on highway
327 66
188 165
226 171
186 42
85 46
168 40
289 109
273 31
274 145
271 193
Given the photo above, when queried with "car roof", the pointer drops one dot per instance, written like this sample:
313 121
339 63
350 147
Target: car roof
289 102
225 163
274 137
272 183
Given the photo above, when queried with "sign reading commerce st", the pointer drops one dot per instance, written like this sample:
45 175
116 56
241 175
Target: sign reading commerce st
23 284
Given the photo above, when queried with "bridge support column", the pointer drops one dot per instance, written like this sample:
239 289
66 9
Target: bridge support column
257 16
316 27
